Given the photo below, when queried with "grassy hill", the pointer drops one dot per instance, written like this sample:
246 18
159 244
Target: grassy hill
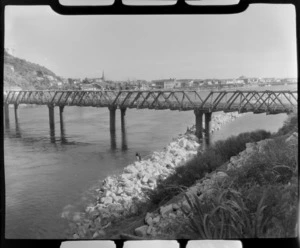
26 75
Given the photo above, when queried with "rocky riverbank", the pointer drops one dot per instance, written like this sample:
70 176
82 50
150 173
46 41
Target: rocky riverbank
119 195
173 216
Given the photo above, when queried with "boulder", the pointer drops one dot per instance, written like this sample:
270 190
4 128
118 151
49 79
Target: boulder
76 236
164 210
106 200
175 206
119 191
182 142
141 231
131 169
150 230
145 179
172 215
77 217
156 219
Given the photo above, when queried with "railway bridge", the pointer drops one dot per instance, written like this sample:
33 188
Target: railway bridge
203 103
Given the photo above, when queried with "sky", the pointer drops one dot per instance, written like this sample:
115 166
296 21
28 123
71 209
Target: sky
260 42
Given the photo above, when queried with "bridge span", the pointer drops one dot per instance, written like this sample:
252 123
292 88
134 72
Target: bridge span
201 102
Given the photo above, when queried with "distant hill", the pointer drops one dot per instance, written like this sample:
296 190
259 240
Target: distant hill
26 75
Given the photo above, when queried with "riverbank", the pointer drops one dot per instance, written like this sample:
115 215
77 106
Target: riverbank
253 195
120 195
228 193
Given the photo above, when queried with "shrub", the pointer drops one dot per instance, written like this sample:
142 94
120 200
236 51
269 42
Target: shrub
206 162
289 126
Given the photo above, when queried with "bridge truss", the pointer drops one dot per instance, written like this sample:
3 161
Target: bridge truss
271 102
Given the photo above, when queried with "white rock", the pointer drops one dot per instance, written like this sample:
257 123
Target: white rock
175 206
172 215
131 169
166 209
149 230
106 200
76 236
141 231
156 219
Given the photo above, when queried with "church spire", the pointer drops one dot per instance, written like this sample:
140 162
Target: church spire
103 75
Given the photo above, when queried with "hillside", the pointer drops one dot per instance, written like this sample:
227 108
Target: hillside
26 75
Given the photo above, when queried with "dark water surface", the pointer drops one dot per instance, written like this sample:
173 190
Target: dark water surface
43 174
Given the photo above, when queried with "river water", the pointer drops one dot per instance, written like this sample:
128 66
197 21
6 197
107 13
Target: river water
46 171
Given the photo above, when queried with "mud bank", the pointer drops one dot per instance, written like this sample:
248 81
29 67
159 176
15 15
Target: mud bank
119 195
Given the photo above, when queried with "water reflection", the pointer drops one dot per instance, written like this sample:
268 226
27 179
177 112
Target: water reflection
124 135
63 137
18 130
6 125
52 135
113 140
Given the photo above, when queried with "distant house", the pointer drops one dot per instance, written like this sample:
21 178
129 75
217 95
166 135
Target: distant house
185 83
88 87
159 84
229 81
239 81
170 84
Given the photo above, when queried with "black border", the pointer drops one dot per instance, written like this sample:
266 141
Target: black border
119 9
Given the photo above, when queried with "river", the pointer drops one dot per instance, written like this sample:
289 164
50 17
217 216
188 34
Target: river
45 172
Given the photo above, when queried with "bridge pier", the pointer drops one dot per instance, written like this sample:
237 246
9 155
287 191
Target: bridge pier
123 129
51 117
199 123
62 125
123 113
207 127
112 118
16 111
6 113
61 117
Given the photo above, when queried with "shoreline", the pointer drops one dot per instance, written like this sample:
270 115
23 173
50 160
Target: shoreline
119 195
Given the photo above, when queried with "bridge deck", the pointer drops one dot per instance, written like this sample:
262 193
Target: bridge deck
271 102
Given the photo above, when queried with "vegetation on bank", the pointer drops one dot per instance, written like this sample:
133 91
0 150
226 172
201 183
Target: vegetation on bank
257 200
205 162
24 74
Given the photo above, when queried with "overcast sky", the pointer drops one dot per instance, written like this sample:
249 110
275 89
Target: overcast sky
260 42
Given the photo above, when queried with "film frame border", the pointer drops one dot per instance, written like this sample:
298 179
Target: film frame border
117 8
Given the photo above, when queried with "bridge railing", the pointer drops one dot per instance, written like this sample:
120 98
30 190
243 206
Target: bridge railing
258 101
